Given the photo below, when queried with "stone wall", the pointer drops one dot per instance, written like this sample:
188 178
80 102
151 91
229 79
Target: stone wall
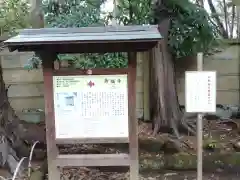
26 87
226 63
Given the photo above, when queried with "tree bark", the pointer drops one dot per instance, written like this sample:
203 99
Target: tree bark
165 110
164 106
226 20
15 137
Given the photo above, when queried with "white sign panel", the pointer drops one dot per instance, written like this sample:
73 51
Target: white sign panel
94 106
200 91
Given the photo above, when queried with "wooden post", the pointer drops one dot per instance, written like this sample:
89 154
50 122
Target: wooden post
199 128
133 124
37 21
52 149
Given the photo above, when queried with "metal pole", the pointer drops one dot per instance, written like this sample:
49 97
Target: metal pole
199 128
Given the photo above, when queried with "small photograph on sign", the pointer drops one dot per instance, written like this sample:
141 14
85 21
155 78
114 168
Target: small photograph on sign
66 100
69 100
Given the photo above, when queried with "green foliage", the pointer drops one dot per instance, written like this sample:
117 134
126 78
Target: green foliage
14 15
134 11
210 144
191 30
33 63
79 13
107 60
72 13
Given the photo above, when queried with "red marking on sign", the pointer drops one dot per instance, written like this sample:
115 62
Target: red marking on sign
91 84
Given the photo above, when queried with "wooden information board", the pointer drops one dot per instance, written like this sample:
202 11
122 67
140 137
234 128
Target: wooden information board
91 107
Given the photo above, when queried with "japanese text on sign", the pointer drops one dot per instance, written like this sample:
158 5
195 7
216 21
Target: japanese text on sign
200 91
91 106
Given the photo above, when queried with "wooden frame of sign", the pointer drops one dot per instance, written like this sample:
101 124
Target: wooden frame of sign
56 160
48 43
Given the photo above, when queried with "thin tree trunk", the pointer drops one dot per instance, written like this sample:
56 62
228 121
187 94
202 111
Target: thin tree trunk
37 18
225 15
232 21
223 31
238 22
200 3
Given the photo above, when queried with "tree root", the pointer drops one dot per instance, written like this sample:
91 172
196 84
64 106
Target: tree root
189 123
232 123
185 124
155 130
175 145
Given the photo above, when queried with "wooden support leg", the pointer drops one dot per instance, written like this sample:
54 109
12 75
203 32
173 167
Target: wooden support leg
133 124
53 171
52 149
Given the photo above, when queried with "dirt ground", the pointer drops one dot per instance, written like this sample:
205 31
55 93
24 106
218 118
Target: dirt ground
221 133
170 175
192 176
160 176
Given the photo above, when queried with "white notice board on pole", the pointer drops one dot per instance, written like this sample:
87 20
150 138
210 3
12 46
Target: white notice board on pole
200 91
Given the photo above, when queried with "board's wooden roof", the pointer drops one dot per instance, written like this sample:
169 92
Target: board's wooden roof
31 39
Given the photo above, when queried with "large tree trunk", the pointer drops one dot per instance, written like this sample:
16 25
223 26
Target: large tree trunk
165 109
15 137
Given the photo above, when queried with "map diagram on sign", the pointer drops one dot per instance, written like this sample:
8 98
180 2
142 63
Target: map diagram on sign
85 106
